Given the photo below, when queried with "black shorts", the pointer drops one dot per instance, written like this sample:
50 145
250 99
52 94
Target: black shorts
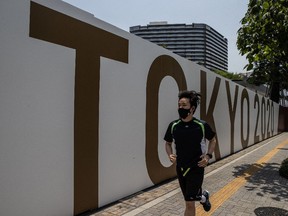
191 183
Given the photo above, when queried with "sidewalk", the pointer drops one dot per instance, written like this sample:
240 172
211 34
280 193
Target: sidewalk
246 183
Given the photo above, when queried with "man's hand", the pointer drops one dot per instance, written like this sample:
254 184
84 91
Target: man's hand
172 158
204 160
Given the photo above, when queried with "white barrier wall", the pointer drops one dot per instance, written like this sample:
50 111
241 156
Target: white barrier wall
85 105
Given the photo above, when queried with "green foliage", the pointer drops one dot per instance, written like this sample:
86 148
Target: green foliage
283 171
263 39
163 45
228 75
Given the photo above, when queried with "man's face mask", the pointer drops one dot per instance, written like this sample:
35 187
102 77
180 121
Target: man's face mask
183 113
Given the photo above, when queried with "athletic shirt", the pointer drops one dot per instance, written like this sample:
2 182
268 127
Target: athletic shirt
187 137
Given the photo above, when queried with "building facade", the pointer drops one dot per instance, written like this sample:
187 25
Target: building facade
197 42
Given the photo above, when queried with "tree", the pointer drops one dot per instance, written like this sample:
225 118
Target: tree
228 75
263 38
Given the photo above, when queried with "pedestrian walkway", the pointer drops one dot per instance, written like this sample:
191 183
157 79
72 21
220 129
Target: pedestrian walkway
245 183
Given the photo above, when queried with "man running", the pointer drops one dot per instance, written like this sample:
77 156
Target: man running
189 135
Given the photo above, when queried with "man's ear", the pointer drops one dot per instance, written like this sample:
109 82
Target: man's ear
192 109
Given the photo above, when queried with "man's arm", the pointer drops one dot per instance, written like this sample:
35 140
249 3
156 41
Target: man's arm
205 158
169 151
211 145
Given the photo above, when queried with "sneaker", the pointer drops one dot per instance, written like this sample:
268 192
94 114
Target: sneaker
206 204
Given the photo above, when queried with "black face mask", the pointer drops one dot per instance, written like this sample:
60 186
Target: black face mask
183 113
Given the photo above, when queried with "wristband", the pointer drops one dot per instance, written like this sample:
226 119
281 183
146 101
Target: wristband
209 155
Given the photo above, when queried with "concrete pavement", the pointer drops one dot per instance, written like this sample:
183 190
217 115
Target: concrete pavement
245 183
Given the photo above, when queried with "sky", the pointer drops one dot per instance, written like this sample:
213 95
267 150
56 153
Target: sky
222 15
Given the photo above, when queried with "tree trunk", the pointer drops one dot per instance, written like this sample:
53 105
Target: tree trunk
275 92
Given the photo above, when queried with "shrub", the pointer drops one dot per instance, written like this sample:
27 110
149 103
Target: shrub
283 171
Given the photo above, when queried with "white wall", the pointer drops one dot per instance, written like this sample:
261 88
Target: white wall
36 118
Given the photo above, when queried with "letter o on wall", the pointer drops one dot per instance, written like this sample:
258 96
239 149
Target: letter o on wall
245 96
263 118
161 67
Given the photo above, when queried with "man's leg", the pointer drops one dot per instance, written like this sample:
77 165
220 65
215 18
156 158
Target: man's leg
193 191
190 208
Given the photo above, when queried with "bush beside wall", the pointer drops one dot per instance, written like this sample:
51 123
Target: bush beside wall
283 171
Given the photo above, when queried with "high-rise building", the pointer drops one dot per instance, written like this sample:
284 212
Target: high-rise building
197 42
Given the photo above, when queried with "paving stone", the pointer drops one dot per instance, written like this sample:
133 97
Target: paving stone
265 193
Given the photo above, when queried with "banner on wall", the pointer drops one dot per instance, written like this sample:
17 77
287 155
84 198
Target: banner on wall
96 101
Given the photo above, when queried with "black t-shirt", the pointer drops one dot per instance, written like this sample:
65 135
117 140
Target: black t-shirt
187 137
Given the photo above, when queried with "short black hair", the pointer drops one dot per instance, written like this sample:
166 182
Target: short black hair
193 96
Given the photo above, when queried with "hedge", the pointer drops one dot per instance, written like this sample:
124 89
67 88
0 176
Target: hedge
283 171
